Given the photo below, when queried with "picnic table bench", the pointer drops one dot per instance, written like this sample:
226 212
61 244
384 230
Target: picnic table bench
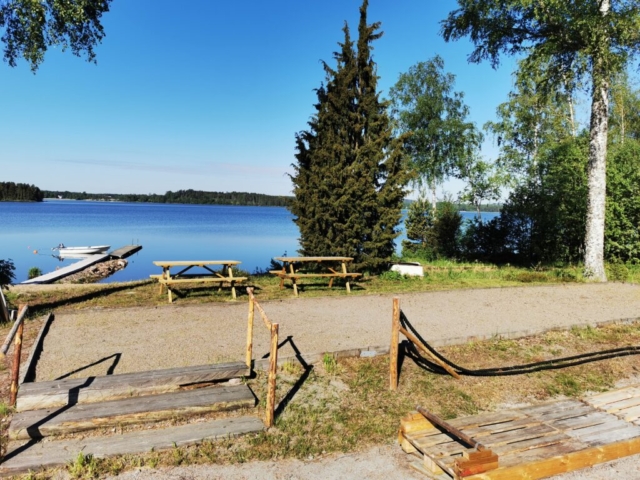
225 275
291 270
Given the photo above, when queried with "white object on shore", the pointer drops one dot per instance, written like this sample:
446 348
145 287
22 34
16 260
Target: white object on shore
413 269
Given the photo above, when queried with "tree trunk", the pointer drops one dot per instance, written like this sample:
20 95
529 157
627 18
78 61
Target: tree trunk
597 180
434 198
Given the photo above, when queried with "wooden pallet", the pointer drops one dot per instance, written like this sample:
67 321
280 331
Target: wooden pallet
623 403
58 393
531 442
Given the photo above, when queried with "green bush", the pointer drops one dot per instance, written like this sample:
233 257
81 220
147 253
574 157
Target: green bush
618 271
432 235
34 272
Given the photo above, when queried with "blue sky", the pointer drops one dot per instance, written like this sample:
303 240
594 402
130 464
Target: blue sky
208 94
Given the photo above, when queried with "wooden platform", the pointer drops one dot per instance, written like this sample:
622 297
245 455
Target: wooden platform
57 393
126 251
23 457
151 408
531 442
68 270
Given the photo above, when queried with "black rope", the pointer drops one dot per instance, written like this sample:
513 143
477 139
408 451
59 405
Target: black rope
557 363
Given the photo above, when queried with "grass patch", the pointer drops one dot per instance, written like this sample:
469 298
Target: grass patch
439 275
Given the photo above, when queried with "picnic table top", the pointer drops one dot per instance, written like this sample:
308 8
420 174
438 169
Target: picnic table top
313 259
195 263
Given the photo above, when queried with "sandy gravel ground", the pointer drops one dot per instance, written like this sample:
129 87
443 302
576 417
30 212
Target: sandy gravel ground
181 335
378 463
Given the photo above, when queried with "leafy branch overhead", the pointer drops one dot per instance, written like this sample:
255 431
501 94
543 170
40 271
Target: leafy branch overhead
32 26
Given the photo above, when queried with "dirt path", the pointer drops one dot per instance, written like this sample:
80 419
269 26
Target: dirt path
181 335
378 463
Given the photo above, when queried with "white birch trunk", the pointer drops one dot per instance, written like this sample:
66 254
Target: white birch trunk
597 170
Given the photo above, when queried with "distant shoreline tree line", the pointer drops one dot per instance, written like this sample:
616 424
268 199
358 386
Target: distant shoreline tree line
20 192
181 196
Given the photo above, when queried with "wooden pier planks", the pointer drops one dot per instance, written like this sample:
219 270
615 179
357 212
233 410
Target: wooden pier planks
57 393
126 251
66 271
82 417
531 442
60 452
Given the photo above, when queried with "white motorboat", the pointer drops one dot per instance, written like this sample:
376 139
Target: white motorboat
64 251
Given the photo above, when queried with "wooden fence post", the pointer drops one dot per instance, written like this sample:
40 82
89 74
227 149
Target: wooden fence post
273 369
393 350
250 332
4 309
15 370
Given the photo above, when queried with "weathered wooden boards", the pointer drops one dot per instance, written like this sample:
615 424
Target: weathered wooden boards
66 271
126 251
624 403
531 442
59 452
151 408
58 393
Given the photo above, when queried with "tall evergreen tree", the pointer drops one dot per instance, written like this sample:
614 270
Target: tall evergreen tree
349 176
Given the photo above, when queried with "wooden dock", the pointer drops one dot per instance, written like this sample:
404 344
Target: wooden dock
122 252
126 251
68 270
531 442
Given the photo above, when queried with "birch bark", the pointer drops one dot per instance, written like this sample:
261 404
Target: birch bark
597 167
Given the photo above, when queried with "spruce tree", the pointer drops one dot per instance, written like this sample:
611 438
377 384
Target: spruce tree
349 176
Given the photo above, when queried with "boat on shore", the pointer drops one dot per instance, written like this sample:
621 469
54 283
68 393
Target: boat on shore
64 251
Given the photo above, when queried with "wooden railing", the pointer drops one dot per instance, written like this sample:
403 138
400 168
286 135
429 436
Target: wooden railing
273 354
16 333
396 330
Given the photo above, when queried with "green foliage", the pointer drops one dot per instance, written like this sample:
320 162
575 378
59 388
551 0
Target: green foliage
19 192
349 177
618 271
31 27
34 272
440 140
83 467
7 269
562 43
544 218
430 234
532 119
622 237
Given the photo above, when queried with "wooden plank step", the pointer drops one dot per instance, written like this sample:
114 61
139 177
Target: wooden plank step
46 454
151 408
57 393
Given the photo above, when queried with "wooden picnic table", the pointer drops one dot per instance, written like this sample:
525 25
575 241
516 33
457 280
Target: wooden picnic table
225 274
293 268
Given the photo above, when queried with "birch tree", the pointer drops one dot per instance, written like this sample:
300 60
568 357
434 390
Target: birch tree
30 27
440 140
582 38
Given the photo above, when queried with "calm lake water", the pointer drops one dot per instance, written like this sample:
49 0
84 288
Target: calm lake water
252 235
